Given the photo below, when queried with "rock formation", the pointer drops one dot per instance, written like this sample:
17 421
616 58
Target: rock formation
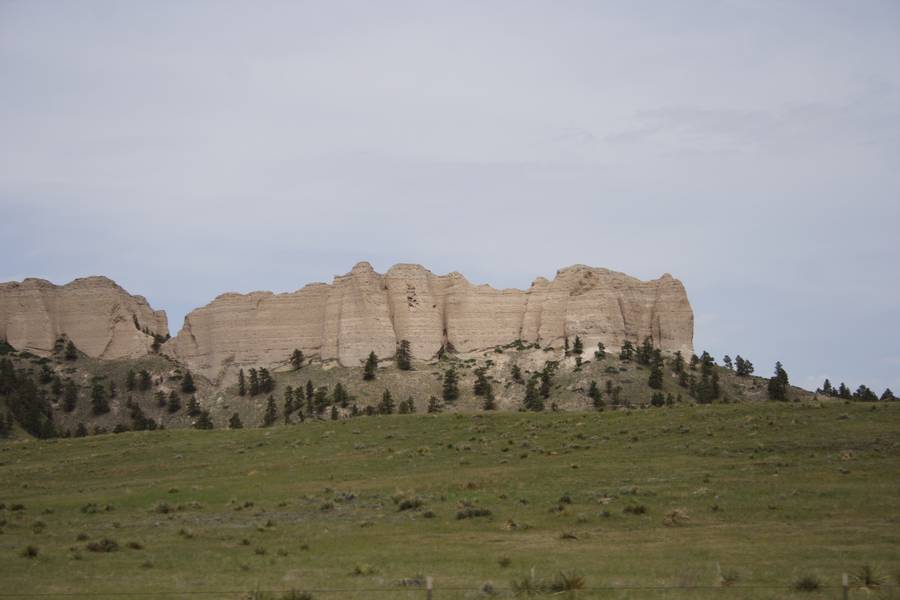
364 311
102 319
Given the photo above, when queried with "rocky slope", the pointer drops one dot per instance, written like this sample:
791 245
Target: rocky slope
365 311
101 318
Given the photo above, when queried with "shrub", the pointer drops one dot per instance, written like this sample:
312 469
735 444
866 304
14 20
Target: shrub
867 577
410 504
29 552
807 583
504 561
82 537
135 545
635 509
471 513
363 569
677 516
162 508
103 545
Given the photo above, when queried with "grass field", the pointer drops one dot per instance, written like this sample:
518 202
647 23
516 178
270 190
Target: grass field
715 501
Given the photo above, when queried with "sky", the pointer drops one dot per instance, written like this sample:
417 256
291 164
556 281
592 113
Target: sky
751 149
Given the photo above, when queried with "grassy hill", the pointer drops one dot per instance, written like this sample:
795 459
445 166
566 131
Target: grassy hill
736 500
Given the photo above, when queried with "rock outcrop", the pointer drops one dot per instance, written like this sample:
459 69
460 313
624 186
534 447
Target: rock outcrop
101 318
364 311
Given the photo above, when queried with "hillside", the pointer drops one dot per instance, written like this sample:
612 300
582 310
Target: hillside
712 501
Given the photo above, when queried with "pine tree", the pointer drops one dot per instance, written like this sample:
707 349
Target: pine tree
386 406
71 351
577 346
546 377
99 405
450 389
678 362
627 351
727 362
340 395
434 406
321 399
130 380
827 388
695 360
404 357
334 412
254 382
288 401
70 396
160 398
145 380
777 387
187 384
242 384
370 367
517 374
174 403
235 422
56 388
271 414
655 380
887 395
600 352
595 395
297 359
81 430
310 390
481 382
658 399
266 383
204 421
193 408
533 400
645 352
489 402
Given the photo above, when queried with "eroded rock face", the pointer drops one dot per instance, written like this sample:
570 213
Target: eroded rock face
101 318
364 311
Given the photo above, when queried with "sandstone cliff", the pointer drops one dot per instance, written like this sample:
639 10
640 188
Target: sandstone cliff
100 317
364 311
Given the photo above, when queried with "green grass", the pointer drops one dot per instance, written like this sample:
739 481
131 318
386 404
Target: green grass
766 493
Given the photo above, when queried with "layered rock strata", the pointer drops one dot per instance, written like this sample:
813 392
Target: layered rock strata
364 311
101 318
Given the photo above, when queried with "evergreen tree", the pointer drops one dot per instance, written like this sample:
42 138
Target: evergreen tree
271 414
113 392
334 412
46 375
517 374
386 406
130 380
434 406
288 402
864 394
266 383
70 396
627 351
254 382
321 399
242 385
727 362
310 390
160 398
450 390
844 391
678 362
887 395
56 388
81 431
546 377
595 395
489 402
187 384
235 422
297 359
404 357
533 400
658 399
174 403
826 389
99 405
340 395
71 351
193 408
577 346
742 367
645 352
481 382
655 380
145 380
566 345
600 352
777 387
695 360
204 421
370 367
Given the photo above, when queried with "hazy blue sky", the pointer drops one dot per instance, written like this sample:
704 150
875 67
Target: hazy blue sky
752 149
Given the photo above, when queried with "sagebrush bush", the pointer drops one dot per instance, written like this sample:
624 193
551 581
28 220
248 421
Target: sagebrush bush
30 552
103 545
807 583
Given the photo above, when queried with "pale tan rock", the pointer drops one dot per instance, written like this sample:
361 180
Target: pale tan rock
93 312
364 311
